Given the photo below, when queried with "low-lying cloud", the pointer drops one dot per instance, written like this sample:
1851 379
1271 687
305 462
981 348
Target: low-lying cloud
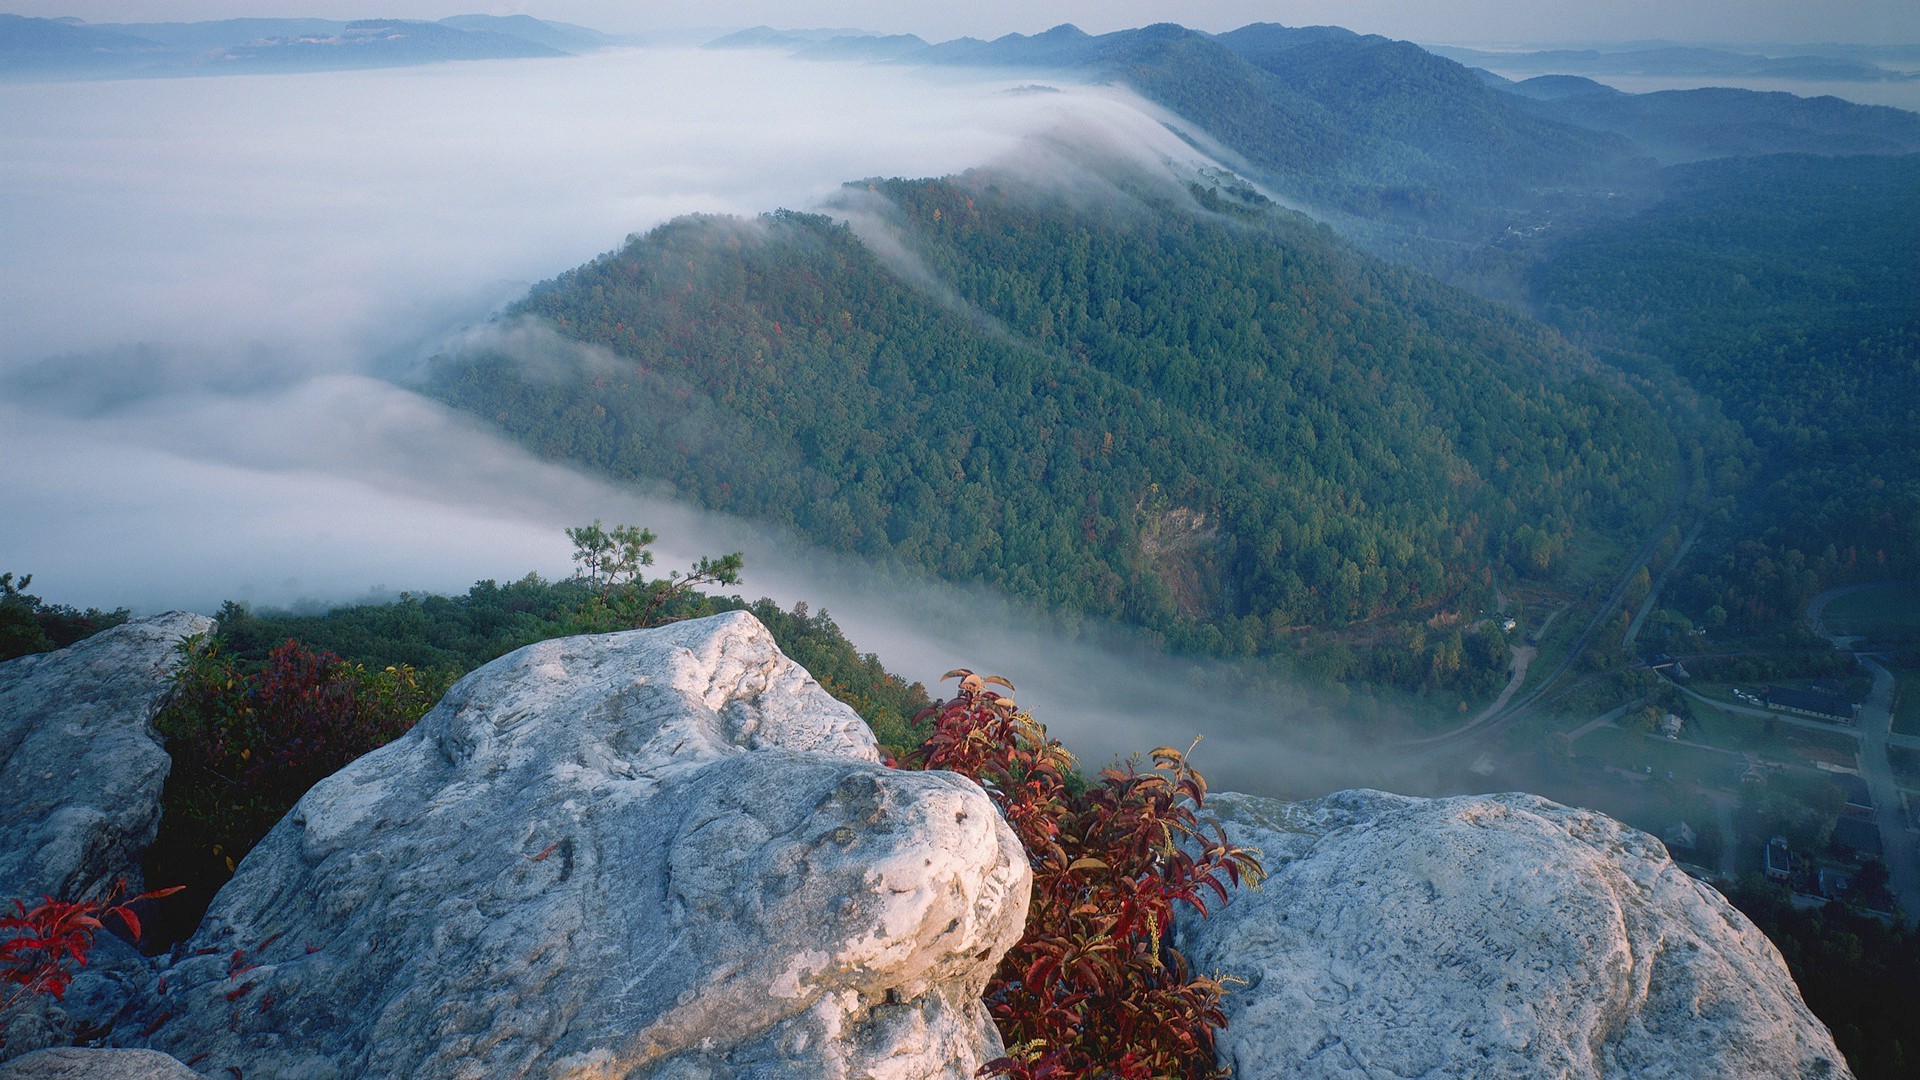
213 283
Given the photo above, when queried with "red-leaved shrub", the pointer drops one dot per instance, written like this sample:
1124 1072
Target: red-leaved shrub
1094 988
45 942
247 744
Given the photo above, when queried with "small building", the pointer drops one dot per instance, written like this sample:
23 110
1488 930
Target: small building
1779 860
1857 840
1671 725
1678 836
1859 803
1818 704
1834 882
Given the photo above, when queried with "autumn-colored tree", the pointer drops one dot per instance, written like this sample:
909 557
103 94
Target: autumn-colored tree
247 743
1094 988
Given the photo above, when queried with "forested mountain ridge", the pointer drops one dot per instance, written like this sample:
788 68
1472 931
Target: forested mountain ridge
1408 152
1677 126
1787 288
1221 427
1352 124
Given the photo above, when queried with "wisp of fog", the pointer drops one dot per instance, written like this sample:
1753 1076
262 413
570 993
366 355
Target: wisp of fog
212 284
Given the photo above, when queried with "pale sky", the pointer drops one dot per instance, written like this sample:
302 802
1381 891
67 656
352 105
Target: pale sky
1461 21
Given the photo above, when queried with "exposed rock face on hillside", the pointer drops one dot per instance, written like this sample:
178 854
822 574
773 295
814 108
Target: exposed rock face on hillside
1496 936
79 762
660 853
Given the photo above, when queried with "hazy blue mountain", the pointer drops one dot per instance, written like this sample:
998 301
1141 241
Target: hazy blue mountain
201 36
1673 60
1787 288
41 48
864 47
565 37
1689 125
766 37
1259 41
30 46
374 43
1547 87
758 37
1407 150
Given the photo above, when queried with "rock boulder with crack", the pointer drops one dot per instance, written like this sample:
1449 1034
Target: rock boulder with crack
657 853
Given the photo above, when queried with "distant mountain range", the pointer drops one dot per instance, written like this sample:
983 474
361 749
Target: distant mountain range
1411 153
69 48
1669 59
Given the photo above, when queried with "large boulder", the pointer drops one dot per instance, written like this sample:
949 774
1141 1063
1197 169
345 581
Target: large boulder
74 1063
81 766
659 853
1496 936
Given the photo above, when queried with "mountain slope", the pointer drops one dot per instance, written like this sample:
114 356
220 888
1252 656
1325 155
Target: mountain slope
1361 125
1689 125
1217 426
1787 288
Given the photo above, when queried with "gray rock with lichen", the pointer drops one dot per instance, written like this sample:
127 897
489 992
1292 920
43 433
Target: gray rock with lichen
81 766
1494 936
75 1063
660 853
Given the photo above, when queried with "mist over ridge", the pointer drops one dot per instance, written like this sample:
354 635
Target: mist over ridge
216 292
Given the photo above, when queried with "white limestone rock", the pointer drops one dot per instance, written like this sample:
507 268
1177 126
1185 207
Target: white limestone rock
79 761
659 853
74 1063
1495 936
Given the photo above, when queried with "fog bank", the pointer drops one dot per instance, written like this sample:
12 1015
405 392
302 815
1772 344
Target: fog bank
212 284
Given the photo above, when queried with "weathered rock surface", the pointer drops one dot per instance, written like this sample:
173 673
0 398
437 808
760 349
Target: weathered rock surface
81 766
1497 936
660 853
74 1063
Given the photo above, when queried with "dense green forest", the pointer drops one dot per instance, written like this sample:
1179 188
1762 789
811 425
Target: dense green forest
1855 970
29 624
1786 289
445 637
1222 427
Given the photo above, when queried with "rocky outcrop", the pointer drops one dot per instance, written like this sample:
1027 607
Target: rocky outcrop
74 1063
81 766
1497 936
660 853
670 854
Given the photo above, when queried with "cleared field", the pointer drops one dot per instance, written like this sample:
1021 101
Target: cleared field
1635 753
1772 736
1875 612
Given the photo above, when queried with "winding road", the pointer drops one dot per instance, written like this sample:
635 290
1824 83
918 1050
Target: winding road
1875 732
1496 719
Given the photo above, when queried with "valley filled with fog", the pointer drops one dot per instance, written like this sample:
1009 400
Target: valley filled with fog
1436 418
219 284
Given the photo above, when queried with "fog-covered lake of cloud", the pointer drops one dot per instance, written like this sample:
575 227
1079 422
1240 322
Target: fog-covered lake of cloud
212 283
